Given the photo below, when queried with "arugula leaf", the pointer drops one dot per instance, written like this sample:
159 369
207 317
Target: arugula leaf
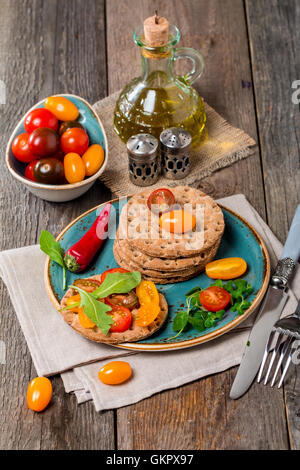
118 283
95 310
52 248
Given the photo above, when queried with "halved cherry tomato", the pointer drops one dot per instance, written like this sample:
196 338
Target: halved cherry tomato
177 221
62 108
43 142
226 268
21 150
74 140
87 284
160 200
147 292
122 319
214 298
93 159
115 373
29 170
74 168
129 300
112 270
84 320
39 393
147 313
73 300
40 117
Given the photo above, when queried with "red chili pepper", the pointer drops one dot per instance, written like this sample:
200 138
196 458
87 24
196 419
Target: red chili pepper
79 256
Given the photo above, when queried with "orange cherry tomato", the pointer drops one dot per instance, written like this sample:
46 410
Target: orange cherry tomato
93 159
147 292
226 268
39 393
74 168
115 373
84 320
214 298
74 299
62 108
146 314
177 221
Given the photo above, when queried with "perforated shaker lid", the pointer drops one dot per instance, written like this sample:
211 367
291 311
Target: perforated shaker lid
142 145
175 138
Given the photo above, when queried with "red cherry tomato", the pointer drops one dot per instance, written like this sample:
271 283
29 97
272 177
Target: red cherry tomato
40 117
122 319
59 155
74 140
214 298
21 149
112 270
43 142
161 200
29 170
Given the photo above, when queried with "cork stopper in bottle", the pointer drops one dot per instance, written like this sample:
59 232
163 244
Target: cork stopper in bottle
156 31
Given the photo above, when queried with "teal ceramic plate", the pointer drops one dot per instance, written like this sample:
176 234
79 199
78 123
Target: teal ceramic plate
239 239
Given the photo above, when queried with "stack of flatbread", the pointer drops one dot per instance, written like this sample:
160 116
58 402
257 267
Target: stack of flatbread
165 257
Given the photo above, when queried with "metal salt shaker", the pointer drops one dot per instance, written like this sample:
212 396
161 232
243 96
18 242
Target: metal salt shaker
143 159
175 152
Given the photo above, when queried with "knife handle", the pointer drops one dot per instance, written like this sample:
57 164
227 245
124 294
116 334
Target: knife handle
291 247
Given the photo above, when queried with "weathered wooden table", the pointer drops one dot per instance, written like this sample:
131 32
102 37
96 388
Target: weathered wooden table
85 47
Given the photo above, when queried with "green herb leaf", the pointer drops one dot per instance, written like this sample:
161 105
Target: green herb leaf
118 283
52 248
197 323
180 321
193 291
95 310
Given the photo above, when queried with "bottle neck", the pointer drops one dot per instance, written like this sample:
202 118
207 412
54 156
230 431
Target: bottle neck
157 70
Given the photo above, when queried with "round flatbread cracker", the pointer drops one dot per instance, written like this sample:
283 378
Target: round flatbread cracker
135 333
140 226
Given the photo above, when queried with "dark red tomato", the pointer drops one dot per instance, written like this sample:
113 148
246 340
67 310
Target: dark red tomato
43 142
40 117
161 200
49 171
59 155
74 140
29 170
122 319
65 126
87 284
21 149
214 298
112 270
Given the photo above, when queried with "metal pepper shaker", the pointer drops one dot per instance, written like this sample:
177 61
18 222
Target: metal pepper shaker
175 152
143 159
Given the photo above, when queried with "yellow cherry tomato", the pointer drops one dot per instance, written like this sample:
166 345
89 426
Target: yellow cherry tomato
84 320
177 221
73 300
62 108
147 292
146 314
93 159
74 168
39 393
226 268
115 373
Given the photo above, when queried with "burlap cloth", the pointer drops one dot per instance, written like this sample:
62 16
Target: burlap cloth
223 145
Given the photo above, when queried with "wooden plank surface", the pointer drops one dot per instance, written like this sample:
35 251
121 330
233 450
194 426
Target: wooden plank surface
200 415
44 48
274 39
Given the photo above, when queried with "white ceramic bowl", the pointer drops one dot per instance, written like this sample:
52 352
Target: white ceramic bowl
65 192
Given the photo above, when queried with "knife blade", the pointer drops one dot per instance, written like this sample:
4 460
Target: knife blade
270 311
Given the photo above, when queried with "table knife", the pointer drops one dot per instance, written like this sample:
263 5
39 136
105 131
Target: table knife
270 311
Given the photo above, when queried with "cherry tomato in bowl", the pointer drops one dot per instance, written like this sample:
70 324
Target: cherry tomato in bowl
74 168
214 298
29 170
161 200
93 159
65 126
39 394
43 142
62 108
115 372
74 140
21 149
49 171
40 117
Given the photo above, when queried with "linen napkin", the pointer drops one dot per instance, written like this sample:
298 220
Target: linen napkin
56 348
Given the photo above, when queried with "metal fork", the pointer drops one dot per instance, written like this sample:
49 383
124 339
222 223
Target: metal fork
288 327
